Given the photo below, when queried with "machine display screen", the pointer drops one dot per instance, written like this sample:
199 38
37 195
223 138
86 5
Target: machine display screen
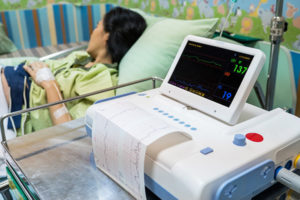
211 72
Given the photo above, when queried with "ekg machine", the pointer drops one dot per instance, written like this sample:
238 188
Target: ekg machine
224 147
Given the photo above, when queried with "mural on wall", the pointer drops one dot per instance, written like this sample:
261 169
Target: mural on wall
250 18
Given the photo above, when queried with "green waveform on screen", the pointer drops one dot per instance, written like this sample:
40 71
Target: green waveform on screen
202 60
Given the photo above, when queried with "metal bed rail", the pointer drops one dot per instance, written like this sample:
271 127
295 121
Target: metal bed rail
153 79
63 53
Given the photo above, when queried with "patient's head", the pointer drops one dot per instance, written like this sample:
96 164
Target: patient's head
115 34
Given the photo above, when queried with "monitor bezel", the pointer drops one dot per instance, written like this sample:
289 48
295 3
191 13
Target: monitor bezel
229 114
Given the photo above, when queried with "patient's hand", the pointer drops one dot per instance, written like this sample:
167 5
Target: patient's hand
40 73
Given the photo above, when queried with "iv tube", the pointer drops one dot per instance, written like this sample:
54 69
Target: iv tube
229 13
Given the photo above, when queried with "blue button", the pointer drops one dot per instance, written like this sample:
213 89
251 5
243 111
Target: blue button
176 119
170 116
193 129
206 150
181 122
165 113
160 111
239 140
155 108
187 125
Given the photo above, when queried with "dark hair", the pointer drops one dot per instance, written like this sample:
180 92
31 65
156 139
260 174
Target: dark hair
124 27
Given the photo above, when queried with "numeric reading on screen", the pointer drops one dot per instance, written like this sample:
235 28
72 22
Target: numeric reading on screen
211 72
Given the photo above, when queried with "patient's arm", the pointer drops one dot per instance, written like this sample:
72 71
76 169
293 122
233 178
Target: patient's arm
298 100
59 113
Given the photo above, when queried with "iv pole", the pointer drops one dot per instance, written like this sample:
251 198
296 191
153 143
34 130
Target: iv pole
277 28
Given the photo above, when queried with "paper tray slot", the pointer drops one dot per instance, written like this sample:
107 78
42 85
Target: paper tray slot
170 149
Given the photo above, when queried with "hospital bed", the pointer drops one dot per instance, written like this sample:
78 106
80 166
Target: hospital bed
57 162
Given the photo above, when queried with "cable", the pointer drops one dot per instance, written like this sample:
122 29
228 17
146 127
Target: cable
11 119
25 103
288 178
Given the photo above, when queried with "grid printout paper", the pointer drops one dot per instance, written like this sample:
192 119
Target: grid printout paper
121 134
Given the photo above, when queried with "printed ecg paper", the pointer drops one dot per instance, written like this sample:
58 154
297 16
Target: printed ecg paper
121 134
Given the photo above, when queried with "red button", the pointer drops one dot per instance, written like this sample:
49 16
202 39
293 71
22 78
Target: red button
255 137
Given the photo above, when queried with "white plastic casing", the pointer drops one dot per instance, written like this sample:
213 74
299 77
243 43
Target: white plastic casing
176 164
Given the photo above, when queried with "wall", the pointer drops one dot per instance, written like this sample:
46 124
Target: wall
53 24
251 18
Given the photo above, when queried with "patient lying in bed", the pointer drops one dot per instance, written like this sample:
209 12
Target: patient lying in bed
37 83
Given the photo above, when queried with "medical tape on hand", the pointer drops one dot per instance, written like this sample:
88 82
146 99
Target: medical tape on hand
60 112
44 74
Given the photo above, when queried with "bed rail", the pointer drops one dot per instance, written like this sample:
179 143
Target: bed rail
63 53
153 79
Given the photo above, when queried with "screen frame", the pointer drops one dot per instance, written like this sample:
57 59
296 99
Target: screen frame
229 114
